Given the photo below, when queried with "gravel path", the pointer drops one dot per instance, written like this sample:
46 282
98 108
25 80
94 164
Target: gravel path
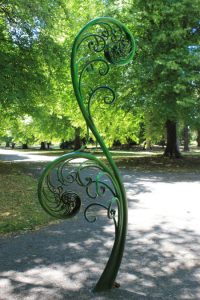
161 259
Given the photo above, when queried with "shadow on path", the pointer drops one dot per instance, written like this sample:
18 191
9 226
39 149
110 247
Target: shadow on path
161 259
65 261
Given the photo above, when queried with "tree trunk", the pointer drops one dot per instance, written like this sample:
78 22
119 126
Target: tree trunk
186 138
77 140
147 145
42 146
172 149
7 144
25 146
198 138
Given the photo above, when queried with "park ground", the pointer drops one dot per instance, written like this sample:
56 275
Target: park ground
63 260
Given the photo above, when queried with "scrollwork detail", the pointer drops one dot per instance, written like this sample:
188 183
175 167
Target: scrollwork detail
81 177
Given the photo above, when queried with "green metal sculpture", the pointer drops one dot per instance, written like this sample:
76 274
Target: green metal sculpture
79 175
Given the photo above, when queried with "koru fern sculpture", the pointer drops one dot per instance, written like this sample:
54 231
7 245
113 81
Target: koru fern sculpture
79 175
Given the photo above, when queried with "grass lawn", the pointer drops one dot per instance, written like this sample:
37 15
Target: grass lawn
19 206
189 163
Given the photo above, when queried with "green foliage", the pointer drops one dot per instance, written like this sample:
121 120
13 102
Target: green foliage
162 82
35 80
168 66
114 124
165 73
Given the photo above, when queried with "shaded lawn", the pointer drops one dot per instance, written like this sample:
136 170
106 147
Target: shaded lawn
144 160
19 206
162 164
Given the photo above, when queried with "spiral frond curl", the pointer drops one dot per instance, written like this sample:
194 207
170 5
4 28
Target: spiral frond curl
80 176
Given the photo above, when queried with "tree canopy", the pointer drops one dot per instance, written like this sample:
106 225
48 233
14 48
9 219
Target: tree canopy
161 85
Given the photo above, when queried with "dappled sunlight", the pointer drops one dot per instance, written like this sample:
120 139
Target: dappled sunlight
44 276
163 262
163 244
64 271
161 258
158 200
43 280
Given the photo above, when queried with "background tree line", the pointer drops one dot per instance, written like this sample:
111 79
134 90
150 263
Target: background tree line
159 91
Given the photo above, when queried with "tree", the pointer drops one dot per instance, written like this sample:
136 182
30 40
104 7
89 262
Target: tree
40 40
186 138
34 58
165 70
159 89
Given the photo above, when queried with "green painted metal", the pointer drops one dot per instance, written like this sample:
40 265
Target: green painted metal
79 175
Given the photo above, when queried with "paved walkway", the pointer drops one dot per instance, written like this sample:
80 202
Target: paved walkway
19 156
161 259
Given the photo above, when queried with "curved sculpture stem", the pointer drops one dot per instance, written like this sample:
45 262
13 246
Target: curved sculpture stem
109 274
65 180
